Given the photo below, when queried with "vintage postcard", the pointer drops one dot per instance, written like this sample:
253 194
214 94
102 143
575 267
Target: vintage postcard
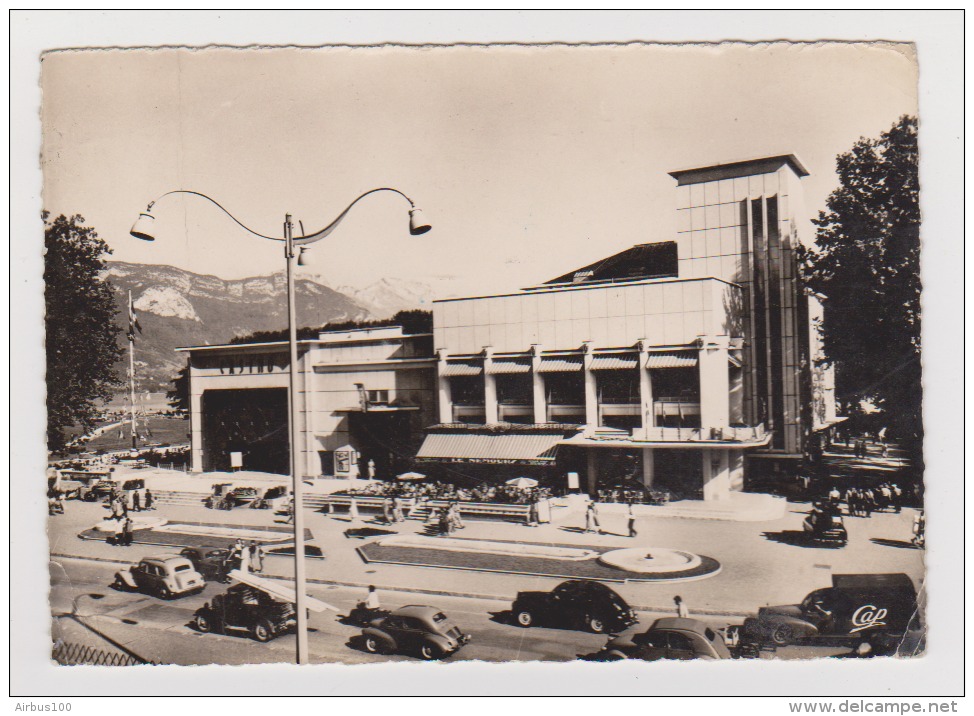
380 354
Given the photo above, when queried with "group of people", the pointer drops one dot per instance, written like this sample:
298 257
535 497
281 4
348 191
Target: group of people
432 490
864 500
246 557
447 520
592 523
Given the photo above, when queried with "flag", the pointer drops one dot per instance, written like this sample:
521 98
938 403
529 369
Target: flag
133 320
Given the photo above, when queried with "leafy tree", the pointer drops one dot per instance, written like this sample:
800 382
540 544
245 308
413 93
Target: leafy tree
81 333
867 268
413 321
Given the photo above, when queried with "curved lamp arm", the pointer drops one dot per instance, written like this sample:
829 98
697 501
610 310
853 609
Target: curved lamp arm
146 213
415 227
142 229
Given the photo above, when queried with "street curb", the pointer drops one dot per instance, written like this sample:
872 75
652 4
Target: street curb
435 592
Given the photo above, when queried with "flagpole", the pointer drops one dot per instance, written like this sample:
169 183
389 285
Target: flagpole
132 372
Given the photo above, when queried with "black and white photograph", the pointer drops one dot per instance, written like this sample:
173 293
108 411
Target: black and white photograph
591 355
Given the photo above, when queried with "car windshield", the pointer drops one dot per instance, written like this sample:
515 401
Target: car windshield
439 617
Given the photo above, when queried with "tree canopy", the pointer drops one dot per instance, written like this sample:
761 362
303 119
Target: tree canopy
81 333
867 269
413 321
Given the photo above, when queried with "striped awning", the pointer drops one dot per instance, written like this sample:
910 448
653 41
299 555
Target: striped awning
679 359
529 449
560 365
620 362
502 367
455 369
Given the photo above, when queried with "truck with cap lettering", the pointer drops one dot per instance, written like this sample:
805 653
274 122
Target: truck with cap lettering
857 607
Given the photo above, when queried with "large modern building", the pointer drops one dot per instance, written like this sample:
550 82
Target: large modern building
365 393
682 364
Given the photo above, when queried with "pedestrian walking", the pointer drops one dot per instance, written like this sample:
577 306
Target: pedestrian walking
681 608
868 502
632 522
897 498
118 538
353 515
148 499
256 554
136 502
455 516
397 509
919 527
592 518
387 511
127 531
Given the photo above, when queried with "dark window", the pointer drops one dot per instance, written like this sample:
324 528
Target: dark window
618 386
467 390
565 388
439 617
514 389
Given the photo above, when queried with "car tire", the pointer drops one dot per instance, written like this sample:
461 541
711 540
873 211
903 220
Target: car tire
204 625
595 625
164 592
430 652
373 645
263 632
120 584
524 618
782 635
614 655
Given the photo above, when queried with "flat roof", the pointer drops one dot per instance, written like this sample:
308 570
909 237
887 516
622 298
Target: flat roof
534 290
303 341
739 168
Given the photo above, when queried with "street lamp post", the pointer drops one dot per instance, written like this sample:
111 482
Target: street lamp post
143 229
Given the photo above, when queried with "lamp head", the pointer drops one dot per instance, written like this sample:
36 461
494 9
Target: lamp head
143 227
417 224
305 257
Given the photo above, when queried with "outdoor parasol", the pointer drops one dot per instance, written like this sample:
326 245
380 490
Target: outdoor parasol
411 476
522 482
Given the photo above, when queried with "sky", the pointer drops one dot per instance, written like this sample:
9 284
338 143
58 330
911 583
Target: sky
528 162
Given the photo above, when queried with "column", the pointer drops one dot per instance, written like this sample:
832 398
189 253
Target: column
647 408
195 420
537 386
591 389
593 471
735 466
716 476
444 399
714 382
490 388
649 466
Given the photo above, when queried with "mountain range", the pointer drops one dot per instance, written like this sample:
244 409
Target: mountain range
179 308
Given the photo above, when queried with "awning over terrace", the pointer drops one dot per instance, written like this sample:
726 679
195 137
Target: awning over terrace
466 447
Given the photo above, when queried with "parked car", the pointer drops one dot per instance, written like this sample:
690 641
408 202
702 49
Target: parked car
669 638
242 495
212 562
246 609
100 490
579 604
825 527
421 629
167 575
855 607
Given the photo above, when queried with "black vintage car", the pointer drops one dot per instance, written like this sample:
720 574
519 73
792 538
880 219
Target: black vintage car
212 562
248 610
579 604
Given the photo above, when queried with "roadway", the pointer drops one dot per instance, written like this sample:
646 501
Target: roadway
89 610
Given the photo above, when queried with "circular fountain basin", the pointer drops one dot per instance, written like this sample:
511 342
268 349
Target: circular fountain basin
652 560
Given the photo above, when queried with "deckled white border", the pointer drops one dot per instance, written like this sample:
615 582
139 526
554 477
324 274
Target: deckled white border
939 40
